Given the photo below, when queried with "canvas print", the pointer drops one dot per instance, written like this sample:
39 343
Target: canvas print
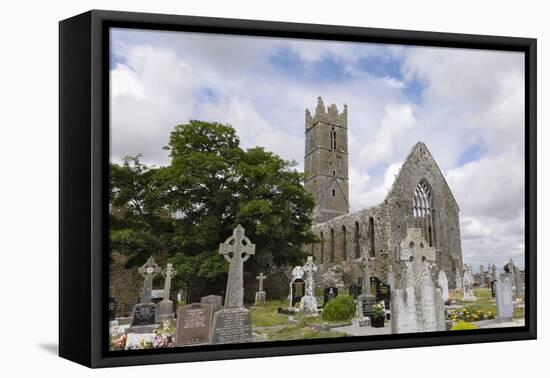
265 189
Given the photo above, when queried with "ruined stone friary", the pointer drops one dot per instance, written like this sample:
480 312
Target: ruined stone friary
419 197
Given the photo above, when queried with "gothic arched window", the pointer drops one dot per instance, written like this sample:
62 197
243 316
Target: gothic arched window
333 139
423 210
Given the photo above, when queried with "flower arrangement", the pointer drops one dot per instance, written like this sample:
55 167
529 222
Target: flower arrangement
118 343
378 311
164 336
467 315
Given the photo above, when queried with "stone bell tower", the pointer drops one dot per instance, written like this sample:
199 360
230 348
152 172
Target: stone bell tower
326 161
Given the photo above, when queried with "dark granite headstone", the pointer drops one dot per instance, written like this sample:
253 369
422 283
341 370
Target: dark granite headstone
381 291
298 291
367 302
112 308
232 326
329 293
143 314
194 322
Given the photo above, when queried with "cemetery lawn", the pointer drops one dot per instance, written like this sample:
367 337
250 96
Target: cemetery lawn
299 332
266 315
484 301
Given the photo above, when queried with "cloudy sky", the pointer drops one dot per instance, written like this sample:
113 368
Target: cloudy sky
466 105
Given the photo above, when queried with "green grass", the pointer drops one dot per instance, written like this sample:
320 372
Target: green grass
482 303
301 333
519 312
267 316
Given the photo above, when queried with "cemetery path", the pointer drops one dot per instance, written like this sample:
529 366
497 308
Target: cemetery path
364 331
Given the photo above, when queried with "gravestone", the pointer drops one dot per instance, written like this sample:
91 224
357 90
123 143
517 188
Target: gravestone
297 286
440 310
503 292
298 291
458 277
194 322
415 305
443 283
112 308
148 270
232 326
329 293
494 278
165 308
214 300
481 276
260 294
233 323
308 304
367 299
468 282
515 277
381 291
143 314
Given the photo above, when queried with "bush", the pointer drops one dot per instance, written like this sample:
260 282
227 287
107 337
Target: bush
340 308
462 325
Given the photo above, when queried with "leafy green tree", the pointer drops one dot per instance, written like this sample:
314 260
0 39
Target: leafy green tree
190 206
139 226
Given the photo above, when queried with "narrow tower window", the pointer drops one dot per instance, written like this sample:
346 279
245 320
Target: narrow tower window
333 139
333 192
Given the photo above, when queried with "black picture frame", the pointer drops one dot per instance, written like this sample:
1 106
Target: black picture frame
83 201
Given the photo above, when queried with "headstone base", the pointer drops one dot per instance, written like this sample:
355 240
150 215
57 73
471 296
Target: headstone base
308 306
260 297
232 326
469 298
357 322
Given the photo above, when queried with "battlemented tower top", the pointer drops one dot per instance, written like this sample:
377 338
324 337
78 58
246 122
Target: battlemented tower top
328 115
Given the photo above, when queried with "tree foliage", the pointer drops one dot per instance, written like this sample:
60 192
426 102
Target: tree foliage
187 208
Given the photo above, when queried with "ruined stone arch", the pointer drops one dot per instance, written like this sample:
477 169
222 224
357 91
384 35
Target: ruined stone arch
344 243
370 232
356 245
322 248
331 255
423 210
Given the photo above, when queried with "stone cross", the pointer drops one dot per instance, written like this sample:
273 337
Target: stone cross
236 249
364 264
168 273
309 269
148 270
416 305
261 278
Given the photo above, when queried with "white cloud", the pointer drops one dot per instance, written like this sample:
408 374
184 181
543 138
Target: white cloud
466 105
